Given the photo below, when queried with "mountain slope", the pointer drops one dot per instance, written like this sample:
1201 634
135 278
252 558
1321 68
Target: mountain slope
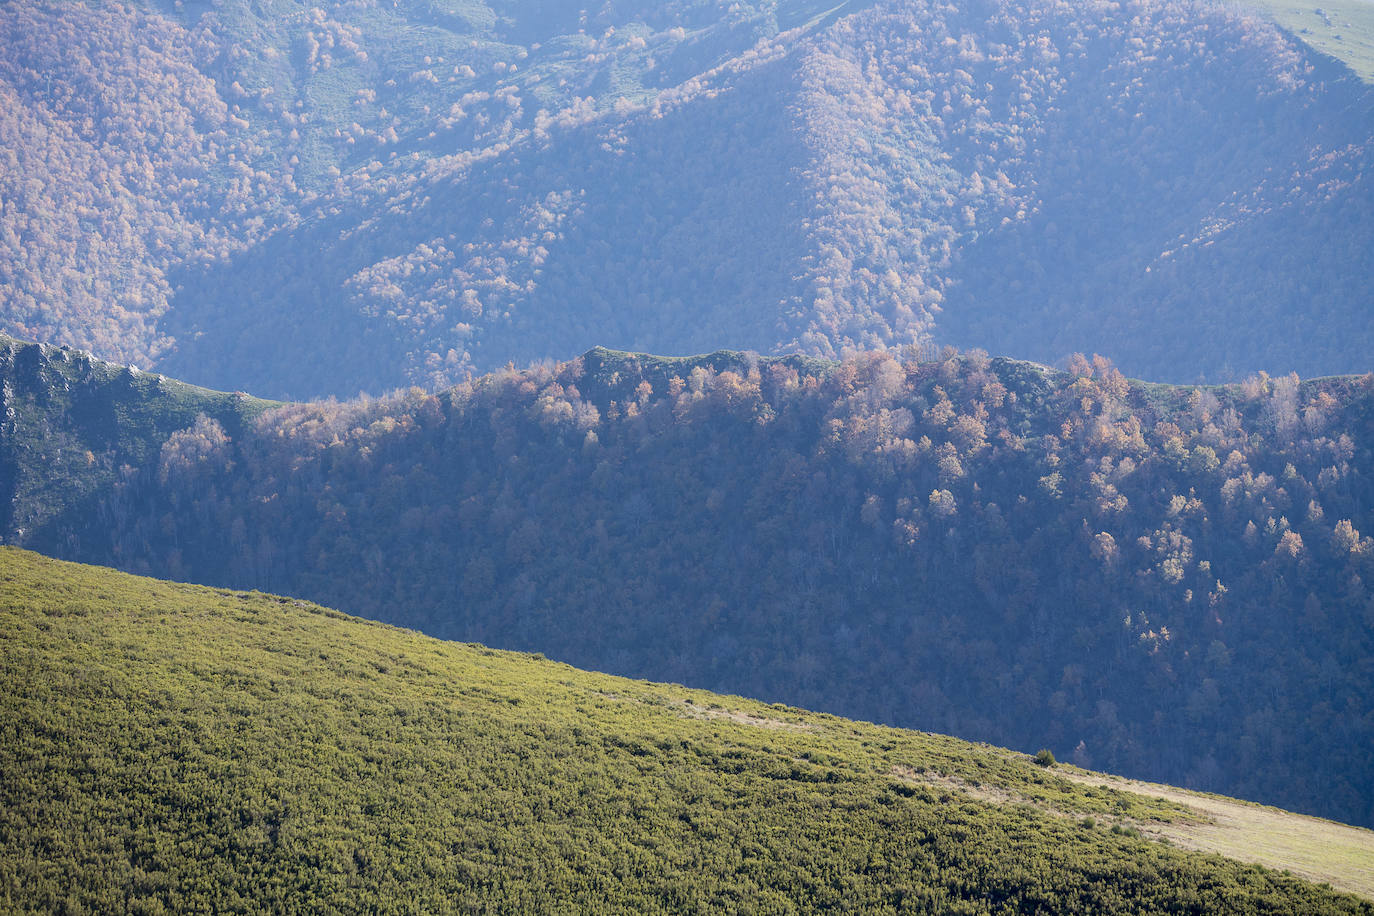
1167 582
354 196
171 747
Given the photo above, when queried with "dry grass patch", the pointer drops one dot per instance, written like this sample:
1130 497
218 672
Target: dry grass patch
693 710
996 795
1310 847
1343 29
697 711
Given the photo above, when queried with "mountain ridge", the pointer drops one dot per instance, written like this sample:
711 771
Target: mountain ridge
1166 580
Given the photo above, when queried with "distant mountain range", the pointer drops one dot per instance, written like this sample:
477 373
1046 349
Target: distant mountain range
317 200
177 749
1168 582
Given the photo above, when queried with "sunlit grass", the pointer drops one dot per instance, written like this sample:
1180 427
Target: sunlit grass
1318 849
171 748
1343 29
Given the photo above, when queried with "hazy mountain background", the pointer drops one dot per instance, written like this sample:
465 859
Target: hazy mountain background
301 199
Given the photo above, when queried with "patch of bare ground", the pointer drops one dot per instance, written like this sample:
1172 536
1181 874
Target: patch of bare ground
1309 847
981 791
697 711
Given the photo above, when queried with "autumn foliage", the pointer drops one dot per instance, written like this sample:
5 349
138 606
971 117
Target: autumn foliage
445 188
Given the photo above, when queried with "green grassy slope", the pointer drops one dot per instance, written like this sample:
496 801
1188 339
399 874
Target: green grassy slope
170 748
1343 29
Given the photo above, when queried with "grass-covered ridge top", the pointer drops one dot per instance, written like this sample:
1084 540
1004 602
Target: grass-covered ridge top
172 747
1342 29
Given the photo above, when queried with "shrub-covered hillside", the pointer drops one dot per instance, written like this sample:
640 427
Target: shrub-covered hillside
169 748
313 199
1167 582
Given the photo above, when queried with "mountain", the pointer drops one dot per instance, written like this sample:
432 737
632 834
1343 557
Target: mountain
170 748
1167 582
358 195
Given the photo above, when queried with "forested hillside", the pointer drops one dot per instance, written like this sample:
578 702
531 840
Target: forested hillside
177 749
354 195
1167 582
